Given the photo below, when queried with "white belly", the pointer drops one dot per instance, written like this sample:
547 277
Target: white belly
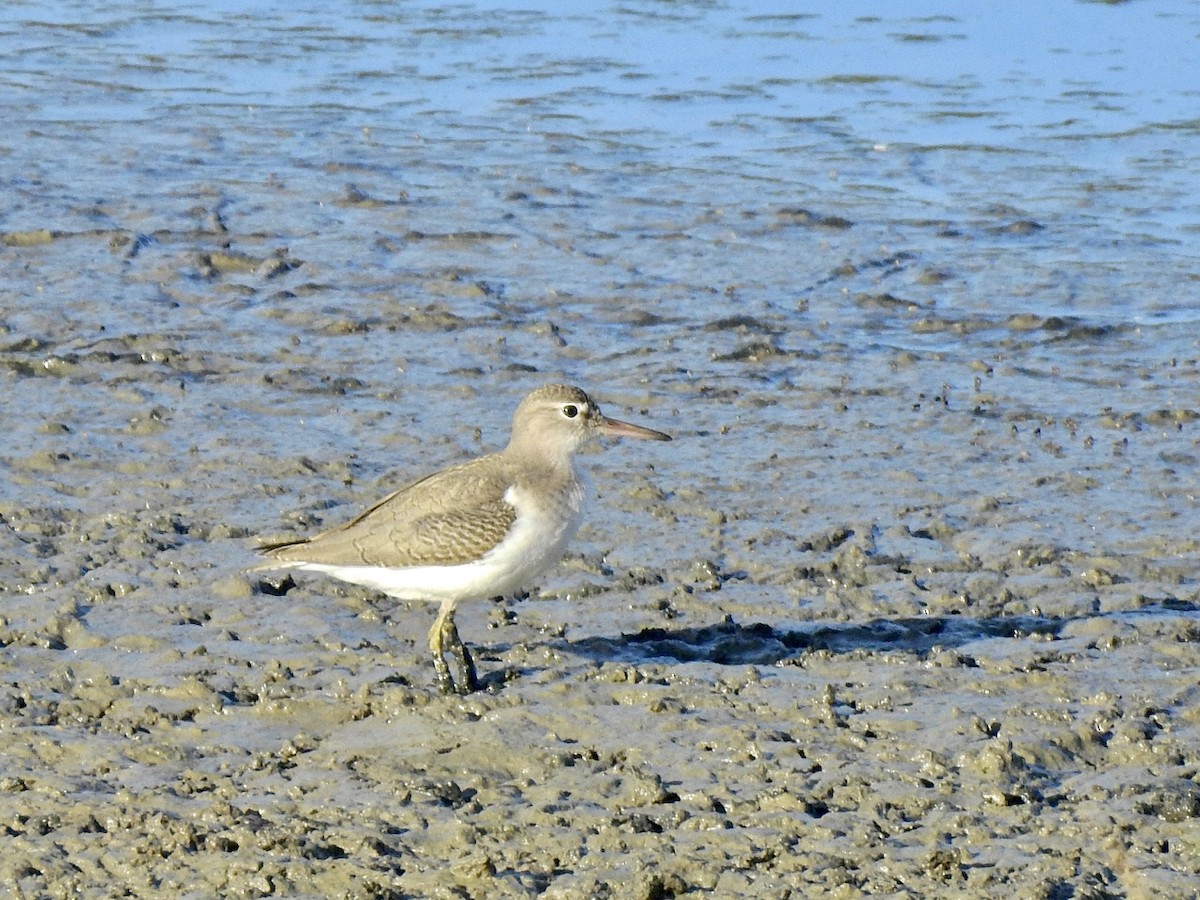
536 541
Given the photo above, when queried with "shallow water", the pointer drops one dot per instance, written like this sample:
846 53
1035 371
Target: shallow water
913 592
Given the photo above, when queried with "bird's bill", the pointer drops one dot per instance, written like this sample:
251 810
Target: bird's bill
617 428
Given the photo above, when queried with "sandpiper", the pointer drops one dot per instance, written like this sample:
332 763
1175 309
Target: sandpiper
479 529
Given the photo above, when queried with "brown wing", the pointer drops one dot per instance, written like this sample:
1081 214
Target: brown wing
448 518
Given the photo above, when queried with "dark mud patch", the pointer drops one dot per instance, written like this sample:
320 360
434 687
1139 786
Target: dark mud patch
728 643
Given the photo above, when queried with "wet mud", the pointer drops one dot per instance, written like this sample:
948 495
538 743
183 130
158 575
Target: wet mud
909 607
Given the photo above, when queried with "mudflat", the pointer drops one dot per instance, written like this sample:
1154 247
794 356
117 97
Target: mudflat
910 605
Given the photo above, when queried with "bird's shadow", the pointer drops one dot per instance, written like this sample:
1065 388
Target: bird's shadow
730 643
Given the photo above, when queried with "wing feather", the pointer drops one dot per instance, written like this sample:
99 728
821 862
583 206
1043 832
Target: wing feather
448 518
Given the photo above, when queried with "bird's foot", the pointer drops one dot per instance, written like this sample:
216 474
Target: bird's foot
463 680
458 675
466 680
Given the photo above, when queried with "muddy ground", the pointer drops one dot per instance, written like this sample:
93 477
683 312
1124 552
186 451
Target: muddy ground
828 658
910 607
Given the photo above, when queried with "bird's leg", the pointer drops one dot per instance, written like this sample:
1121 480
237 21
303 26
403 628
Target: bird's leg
468 681
441 670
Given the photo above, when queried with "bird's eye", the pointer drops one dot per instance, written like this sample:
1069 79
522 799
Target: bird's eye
570 410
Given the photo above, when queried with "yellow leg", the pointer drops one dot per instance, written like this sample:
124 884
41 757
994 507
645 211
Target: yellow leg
442 677
443 636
